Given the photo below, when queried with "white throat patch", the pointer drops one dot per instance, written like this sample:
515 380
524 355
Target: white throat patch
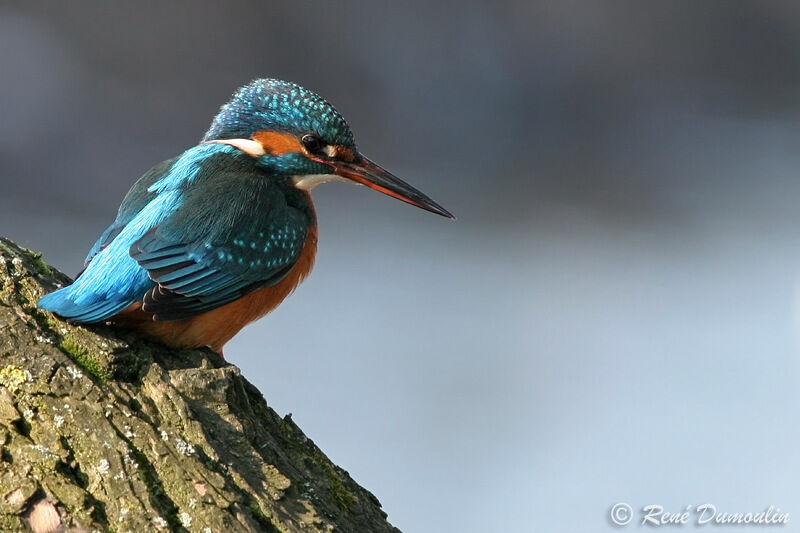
309 181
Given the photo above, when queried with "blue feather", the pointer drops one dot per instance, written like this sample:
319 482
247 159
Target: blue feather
112 280
193 234
186 169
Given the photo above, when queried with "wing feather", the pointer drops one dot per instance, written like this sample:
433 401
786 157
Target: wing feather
228 238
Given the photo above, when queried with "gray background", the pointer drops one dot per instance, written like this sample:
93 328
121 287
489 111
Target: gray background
614 316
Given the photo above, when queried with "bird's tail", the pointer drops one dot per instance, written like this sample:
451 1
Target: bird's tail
64 303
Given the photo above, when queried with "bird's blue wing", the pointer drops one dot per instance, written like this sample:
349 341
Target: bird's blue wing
233 235
112 280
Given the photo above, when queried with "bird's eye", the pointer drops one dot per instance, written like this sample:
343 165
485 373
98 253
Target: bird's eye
312 143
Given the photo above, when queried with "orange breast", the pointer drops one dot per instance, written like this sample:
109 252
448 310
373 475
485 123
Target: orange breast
218 326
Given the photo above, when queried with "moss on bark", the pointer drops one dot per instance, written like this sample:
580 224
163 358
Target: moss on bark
119 434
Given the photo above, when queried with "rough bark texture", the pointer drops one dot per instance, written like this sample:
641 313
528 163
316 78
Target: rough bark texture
103 431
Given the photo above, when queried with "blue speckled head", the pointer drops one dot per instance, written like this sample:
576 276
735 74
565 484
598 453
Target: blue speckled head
269 104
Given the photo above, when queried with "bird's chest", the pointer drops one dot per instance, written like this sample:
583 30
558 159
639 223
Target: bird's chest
220 325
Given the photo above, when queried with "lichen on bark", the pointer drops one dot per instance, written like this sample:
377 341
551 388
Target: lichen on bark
101 430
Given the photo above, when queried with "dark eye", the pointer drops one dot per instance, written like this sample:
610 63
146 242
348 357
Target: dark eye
312 143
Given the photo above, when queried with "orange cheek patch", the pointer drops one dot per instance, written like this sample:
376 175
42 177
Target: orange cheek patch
344 153
277 143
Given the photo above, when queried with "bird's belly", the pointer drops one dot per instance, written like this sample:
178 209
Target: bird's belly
216 327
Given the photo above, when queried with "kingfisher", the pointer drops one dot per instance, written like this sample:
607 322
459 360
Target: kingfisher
217 237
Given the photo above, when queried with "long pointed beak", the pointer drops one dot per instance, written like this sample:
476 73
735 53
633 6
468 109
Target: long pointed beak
375 177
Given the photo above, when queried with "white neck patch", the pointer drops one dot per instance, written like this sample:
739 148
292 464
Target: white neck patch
248 146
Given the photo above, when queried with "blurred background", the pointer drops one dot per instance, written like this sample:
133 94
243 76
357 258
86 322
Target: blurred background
614 315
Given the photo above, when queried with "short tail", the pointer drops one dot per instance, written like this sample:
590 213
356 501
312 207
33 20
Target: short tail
63 303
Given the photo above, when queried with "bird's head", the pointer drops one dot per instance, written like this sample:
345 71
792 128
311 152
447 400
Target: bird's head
295 133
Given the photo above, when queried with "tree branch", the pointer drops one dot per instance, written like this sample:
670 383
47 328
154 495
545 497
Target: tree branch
103 431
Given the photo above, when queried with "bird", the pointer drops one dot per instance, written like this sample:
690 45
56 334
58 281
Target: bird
208 241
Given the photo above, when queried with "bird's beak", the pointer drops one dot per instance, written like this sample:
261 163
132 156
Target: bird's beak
375 177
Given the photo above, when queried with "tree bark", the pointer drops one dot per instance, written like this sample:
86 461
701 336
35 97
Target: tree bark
101 430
